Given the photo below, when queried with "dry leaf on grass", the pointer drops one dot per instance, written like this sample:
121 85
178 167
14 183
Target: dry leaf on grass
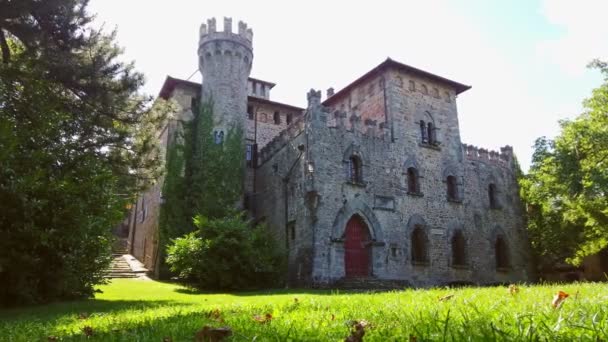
413 338
88 331
513 289
215 314
263 319
52 338
209 334
167 339
446 298
559 298
83 315
358 331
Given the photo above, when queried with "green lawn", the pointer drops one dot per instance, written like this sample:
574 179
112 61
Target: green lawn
138 310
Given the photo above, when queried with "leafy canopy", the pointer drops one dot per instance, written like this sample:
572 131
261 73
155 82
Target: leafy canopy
566 187
77 141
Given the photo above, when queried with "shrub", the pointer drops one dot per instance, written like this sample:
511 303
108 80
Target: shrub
226 253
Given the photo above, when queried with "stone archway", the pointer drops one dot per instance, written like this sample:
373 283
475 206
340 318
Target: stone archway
357 248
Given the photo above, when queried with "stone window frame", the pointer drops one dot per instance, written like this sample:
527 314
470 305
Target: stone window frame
355 169
454 191
412 85
354 151
419 241
448 97
411 163
276 117
435 92
424 89
417 224
250 112
399 81
493 195
428 130
288 118
458 233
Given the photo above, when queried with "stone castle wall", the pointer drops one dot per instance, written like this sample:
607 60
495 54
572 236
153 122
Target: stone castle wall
387 149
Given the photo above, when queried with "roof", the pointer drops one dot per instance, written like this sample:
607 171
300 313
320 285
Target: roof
171 82
273 103
261 81
387 64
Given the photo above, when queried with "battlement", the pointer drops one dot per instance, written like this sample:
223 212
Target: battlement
504 157
208 32
284 137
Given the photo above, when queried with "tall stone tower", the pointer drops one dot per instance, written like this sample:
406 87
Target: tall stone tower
225 60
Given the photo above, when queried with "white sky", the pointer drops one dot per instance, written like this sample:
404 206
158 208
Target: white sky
524 58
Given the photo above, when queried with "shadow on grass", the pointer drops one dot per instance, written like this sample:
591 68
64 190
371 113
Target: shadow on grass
55 311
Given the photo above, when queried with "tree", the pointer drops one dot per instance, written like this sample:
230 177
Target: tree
565 189
77 142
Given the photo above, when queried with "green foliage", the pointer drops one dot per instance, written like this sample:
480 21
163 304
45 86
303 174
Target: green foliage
565 189
135 310
226 253
202 177
77 142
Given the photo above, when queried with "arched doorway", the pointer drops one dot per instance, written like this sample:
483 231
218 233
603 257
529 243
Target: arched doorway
357 250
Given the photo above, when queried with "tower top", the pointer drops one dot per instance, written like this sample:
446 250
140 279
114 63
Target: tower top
209 32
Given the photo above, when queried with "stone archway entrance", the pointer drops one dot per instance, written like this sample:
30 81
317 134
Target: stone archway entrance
357 248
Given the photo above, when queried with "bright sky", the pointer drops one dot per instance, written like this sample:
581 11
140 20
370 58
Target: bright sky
526 59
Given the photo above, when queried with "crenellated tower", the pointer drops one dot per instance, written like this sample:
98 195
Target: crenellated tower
225 60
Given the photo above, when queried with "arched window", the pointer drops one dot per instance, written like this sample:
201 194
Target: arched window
431 133
412 181
502 253
458 249
355 174
452 188
277 118
423 132
288 118
492 196
419 245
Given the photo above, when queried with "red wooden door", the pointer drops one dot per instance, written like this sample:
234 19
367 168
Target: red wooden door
356 248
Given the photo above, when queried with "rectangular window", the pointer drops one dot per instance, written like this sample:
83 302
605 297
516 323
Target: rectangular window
250 112
277 118
412 85
288 118
291 227
249 154
436 93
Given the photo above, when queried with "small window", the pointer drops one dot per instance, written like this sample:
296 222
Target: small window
425 90
412 181
354 169
492 196
412 86
430 134
218 137
448 97
423 132
419 245
436 93
458 249
249 154
452 188
144 210
399 82
250 112
289 118
194 103
291 227
502 255
277 118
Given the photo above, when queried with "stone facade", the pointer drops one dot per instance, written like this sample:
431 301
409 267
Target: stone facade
383 154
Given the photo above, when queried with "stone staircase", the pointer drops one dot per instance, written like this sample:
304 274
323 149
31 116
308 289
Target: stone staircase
120 268
369 284
124 265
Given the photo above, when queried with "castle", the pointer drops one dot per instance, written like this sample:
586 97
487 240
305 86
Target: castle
370 183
